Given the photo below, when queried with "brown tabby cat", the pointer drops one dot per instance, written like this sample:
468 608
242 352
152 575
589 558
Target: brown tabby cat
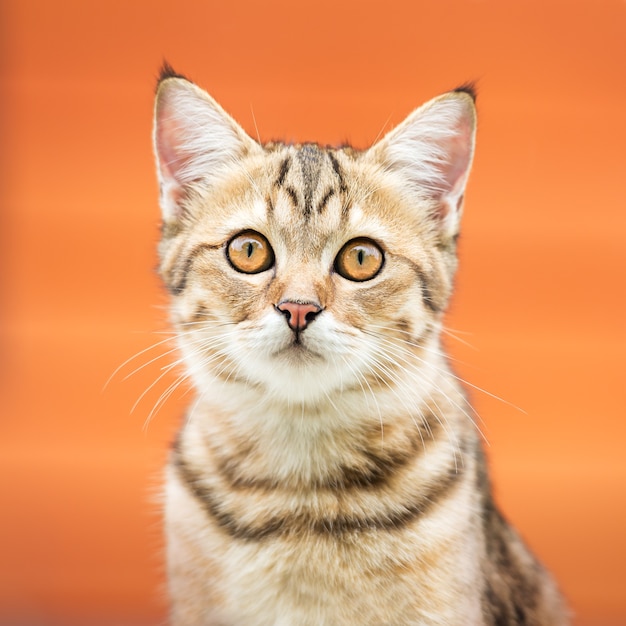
329 472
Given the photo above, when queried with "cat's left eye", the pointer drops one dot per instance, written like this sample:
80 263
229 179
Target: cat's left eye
360 259
250 252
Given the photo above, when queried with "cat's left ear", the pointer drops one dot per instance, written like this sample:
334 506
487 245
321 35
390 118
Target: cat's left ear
195 140
432 152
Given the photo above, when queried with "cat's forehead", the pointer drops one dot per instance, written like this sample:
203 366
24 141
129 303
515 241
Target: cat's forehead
305 198
304 179
314 192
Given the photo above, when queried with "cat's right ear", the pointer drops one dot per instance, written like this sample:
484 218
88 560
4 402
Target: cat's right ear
194 141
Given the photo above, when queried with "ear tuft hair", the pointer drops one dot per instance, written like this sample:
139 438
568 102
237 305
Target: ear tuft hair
167 71
469 88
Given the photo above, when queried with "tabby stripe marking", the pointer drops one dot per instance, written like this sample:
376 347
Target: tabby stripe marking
293 196
337 168
427 295
324 201
376 472
514 597
178 287
290 191
336 526
310 157
343 188
284 168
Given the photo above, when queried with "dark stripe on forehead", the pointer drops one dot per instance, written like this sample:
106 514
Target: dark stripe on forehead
338 171
343 188
305 191
311 158
282 172
293 195
324 201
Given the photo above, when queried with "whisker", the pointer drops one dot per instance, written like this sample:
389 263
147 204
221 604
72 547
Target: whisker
362 379
409 359
148 363
395 392
133 357
448 372
164 373
450 333
164 397
449 433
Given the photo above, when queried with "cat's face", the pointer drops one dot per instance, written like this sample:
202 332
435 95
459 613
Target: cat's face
303 270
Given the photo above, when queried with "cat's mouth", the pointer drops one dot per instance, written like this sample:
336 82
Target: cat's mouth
298 349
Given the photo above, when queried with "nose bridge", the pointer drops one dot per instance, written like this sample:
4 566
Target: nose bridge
302 285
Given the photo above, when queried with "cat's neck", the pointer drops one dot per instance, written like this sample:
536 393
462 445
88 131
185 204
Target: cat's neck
304 442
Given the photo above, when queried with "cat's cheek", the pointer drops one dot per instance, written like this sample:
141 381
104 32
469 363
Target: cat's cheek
186 310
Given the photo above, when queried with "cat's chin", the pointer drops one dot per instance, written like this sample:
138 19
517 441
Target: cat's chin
298 373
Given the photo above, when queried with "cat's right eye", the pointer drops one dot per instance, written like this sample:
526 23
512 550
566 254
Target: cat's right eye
250 252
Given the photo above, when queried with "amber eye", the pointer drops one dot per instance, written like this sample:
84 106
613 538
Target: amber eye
360 259
250 252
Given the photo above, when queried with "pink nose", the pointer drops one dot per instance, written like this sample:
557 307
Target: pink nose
298 314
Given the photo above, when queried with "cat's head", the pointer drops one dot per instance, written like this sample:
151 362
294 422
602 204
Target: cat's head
305 270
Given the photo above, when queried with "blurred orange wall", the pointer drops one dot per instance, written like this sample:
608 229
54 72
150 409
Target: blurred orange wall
539 312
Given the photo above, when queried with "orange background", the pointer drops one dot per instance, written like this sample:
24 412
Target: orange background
540 297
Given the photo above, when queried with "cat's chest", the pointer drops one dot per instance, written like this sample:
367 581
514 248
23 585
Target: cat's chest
321 576
316 583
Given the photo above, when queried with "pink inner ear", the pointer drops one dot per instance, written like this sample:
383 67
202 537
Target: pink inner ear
171 161
459 150
455 170
193 139
168 145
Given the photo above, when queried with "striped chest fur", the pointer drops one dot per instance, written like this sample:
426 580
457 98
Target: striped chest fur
328 471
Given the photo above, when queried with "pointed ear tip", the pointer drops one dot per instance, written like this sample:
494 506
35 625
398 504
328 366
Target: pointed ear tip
167 71
170 88
468 89
465 98
462 100
168 75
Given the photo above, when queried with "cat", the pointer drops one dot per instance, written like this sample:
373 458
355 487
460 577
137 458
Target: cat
329 472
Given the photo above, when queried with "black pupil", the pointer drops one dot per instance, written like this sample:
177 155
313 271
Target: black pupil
250 249
360 256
